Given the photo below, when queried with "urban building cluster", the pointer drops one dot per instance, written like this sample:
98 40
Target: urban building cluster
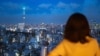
29 40
34 40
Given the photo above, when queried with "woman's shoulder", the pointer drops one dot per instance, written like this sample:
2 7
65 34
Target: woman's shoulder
92 40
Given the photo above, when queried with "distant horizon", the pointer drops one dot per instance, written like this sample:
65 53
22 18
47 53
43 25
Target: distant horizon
41 23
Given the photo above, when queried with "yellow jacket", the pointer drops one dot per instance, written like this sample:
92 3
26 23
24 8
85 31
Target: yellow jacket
67 48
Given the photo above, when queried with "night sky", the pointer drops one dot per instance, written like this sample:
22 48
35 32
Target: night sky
47 11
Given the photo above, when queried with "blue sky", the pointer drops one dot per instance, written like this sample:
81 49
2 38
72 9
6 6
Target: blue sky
47 11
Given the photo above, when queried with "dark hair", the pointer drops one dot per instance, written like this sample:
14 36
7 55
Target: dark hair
77 28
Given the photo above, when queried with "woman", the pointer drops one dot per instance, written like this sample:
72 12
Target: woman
77 39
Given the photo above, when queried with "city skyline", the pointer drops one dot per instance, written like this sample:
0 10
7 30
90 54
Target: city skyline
47 11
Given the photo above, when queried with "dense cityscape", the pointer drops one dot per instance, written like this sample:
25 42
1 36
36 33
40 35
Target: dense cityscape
33 37
34 40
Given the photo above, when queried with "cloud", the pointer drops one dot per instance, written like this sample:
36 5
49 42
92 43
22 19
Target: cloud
12 5
64 5
59 8
44 6
61 5
65 8
7 8
74 5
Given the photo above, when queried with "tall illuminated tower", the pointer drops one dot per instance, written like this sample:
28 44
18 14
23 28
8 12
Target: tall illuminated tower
24 8
22 25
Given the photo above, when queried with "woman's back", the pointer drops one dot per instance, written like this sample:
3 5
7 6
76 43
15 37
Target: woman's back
79 49
67 48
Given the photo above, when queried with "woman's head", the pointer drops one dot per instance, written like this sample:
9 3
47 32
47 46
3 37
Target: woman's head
77 28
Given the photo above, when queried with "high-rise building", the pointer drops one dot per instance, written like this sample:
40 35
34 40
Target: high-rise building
21 26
